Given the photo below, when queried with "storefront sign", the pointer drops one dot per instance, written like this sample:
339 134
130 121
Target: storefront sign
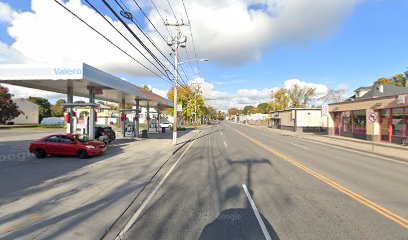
325 110
346 114
401 99
372 117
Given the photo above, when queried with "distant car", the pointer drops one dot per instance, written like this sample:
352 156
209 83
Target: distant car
67 145
52 120
105 134
165 125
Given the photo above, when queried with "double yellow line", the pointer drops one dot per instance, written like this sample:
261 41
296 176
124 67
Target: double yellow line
379 209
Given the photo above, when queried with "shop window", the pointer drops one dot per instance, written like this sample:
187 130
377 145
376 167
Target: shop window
354 121
347 126
398 122
359 121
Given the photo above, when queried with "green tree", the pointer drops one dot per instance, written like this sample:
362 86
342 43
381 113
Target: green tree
8 108
57 109
80 101
265 107
247 109
45 106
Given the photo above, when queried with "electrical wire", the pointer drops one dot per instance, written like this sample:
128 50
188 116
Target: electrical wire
107 39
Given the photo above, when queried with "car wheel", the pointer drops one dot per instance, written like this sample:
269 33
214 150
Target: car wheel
82 153
40 153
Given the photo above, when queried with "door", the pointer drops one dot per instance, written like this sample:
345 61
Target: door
67 146
51 145
386 131
337 123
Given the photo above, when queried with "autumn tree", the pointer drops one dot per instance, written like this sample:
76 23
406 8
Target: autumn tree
280 100
8 108
234 111
300 96
146 87
189 99
57 109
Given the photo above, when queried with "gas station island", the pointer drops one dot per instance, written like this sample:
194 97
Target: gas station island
83 80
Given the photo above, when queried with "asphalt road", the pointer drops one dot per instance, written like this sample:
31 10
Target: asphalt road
301 190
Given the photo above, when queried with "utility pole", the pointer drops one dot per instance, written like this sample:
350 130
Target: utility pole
176 42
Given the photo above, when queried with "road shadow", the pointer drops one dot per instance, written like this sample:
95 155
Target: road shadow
236 224
22 174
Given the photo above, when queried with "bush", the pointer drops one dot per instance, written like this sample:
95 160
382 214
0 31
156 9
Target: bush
52 125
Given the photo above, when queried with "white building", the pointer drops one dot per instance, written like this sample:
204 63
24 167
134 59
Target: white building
29 115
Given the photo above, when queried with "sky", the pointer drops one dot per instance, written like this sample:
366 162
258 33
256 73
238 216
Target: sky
253 46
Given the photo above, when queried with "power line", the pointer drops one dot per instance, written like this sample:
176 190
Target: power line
191 34
144 33
107 39
134 35
171 8
165 73
157 10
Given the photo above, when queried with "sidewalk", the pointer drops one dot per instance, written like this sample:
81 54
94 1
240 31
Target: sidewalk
381 149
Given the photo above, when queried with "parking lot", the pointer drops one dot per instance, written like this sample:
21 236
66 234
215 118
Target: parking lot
55 197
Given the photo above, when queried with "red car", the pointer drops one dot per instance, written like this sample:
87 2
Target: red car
67 145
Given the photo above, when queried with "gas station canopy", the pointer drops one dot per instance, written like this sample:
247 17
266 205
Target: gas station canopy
80 77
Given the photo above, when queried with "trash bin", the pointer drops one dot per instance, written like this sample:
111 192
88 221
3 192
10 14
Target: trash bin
144 133
163 130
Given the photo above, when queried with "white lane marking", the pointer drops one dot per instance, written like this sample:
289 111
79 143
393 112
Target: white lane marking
258 216
300 146
221 133
355 151
139 211
225 144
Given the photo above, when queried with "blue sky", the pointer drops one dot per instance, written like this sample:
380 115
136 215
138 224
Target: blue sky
369 42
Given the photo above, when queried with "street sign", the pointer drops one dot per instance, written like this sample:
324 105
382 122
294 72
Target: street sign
325 110
372 117
179 108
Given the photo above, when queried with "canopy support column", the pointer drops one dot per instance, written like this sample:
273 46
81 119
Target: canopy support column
70 99
137 117
92 119
123 117
148 116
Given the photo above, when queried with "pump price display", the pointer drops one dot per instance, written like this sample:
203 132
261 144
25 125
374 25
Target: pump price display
372 117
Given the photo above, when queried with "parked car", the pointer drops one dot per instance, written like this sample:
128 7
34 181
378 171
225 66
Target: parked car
52 120
67 145
165 125
105 134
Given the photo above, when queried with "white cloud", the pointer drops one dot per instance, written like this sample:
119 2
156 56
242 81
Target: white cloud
159 92
6 12
321 89
228 32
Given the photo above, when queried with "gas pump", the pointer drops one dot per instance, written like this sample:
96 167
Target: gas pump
129 129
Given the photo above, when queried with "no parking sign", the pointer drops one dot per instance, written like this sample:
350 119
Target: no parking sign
372 117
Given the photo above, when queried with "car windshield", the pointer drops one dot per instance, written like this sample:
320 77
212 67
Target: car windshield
81 138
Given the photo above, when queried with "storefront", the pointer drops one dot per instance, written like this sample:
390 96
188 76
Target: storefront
393 124
389 103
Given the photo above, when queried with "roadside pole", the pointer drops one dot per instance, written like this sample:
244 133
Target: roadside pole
372 117
176 41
